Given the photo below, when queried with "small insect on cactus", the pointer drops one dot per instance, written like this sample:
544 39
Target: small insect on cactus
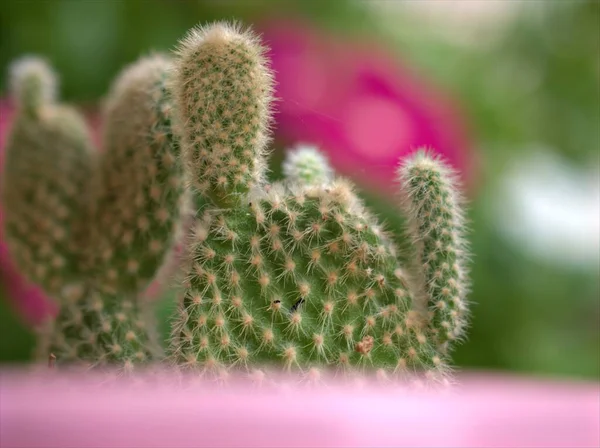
92 228
299 274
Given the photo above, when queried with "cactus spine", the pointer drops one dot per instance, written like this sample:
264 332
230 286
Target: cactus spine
93 229
298 274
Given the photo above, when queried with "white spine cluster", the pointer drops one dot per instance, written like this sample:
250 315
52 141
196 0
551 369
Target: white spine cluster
305 164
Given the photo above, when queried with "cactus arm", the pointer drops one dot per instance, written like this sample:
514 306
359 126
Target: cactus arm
45 210
139 185
222 73
436 226
33 84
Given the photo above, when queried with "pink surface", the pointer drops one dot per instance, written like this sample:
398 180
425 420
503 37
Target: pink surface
483 411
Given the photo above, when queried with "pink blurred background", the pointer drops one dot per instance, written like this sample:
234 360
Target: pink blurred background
361 105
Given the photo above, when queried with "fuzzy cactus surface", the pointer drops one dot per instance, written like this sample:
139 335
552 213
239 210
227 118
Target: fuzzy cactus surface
93 229
297 275
305 164
432 202
300 274
45 211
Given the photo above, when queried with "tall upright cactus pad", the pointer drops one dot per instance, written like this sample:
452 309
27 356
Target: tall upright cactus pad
139 186
93 229
433 205
45 178
295 275
222 96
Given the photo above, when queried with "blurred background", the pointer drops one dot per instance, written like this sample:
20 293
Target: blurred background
507 91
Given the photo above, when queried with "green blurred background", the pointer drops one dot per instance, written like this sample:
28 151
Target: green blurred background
527 73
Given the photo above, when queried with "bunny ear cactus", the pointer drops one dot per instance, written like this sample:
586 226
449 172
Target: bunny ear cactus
300 275
222 96
297 274
93 229
44 209
139 184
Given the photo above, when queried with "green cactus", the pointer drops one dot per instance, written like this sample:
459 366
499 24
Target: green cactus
226 127
93 229
44 209
96 329
300 275
306 165
297 274
138 190
433 204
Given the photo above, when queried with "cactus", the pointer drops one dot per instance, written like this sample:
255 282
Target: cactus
306 165
432 202
296 274
44 209
299 274
139 186
93 229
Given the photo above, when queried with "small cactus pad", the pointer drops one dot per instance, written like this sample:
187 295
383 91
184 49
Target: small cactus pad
33 84
95 330
307 165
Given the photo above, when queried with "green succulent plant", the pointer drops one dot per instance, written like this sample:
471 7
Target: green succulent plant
93 228
299 274
296 275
